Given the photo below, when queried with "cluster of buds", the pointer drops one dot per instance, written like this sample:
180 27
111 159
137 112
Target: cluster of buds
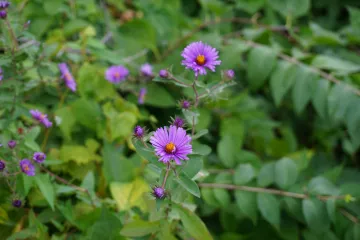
3 6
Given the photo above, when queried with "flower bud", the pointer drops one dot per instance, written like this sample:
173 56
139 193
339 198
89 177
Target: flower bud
139 132
229 74
163 73
2 165
159 193
17 203
39 157
12 144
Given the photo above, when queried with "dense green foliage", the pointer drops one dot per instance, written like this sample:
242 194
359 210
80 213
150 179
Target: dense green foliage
275 151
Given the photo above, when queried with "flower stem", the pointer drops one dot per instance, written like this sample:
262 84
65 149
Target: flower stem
12 34
166 175
195 104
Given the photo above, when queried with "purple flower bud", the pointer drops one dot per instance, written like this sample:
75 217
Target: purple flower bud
146 70
139 132
142 94
1 74
2 165
17 203
159 192
12 144
185 104
178 122
4 4
229 74
3 14
39 157
163 73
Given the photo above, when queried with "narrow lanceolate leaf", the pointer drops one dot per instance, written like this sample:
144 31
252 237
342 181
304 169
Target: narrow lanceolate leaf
282 79
139 228
46 188
269 207
285 173
261 62
188 184
192 223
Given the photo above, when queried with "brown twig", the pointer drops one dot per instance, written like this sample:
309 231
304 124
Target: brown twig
60 179
267 190
349 216
218 21
318 71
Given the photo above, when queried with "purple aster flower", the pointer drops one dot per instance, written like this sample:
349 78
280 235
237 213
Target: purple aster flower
178 122
12 144
171 144
4 4
229 74
139 132
1 74
185 104
199 56
42 118
116 74
16 203
163 73
2 165
67 76
27 167
3 14
142 94
159 192
39 157
146 70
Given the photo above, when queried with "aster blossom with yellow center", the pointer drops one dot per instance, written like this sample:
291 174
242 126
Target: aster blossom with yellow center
199 56
171 144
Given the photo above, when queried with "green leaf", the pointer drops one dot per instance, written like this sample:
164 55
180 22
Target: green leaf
266 175
261 62
139 228
331 209
227 151
323 36
339 98
319 98
244 173
302 89
86 112
336 64
222 196
188 184
109 223
250 6
293 8
158 96
68 121
285 173
322 186
192 223
246 201
193 166
269 208
355 19
52 7
282 79
316 215
46 188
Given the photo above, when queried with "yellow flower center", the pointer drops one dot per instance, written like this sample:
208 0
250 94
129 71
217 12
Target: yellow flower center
170 147
117 74
42 116
67 75
26 168
200 60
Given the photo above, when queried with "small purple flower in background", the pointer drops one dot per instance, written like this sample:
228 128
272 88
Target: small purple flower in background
146 70
1 74
185 104
139 132
171 144
116 74
12 144
178 122
163 73
142 94
159 192
68 78
4 4
2 165
27 167
199 56
230 74
3 14
42 118
39 157
16 203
